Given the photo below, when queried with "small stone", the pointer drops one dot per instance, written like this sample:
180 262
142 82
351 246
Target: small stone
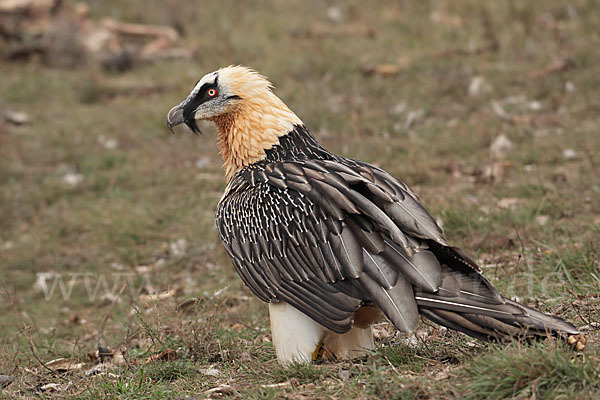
202 162
569 154
72 179
335 14
117 266
569 86
178 248
344 374
41 278
15 117
501 146
108 143
478 86
398 108
108 298
413 116
143 269
542 219
498 109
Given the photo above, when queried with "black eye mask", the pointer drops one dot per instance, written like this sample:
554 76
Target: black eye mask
199 98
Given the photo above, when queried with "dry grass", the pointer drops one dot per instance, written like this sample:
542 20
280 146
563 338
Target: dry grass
459 75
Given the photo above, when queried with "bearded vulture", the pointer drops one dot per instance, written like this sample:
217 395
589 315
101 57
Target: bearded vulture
331 243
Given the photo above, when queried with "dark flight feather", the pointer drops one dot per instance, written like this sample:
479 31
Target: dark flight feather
328 235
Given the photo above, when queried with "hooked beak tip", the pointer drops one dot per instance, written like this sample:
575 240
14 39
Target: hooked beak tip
174 117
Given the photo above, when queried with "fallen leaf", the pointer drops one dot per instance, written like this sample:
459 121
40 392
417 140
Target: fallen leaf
64 365
187 304
276 385
145 298
118 359
495 172
50 386
93 355
165 355
221 390
210 372
508 202
384 70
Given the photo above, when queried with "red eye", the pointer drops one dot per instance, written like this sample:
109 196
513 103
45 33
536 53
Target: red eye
211 92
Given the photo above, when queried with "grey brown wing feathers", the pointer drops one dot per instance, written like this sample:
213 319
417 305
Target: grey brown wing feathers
297 230
328 236
467 302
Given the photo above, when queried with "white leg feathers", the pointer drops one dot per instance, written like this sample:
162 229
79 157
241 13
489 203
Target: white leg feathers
297 337
352 344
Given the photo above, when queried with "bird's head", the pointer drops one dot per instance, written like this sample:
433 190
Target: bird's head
216 94
248 115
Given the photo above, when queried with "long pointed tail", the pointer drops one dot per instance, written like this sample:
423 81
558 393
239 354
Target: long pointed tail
492 322
469 303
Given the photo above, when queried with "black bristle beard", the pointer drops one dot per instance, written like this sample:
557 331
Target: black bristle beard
193 125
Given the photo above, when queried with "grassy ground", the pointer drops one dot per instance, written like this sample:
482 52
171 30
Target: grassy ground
136 218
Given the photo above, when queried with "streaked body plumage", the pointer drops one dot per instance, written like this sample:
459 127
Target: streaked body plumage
329 241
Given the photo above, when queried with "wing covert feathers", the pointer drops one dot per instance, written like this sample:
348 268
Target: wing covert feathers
329 235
